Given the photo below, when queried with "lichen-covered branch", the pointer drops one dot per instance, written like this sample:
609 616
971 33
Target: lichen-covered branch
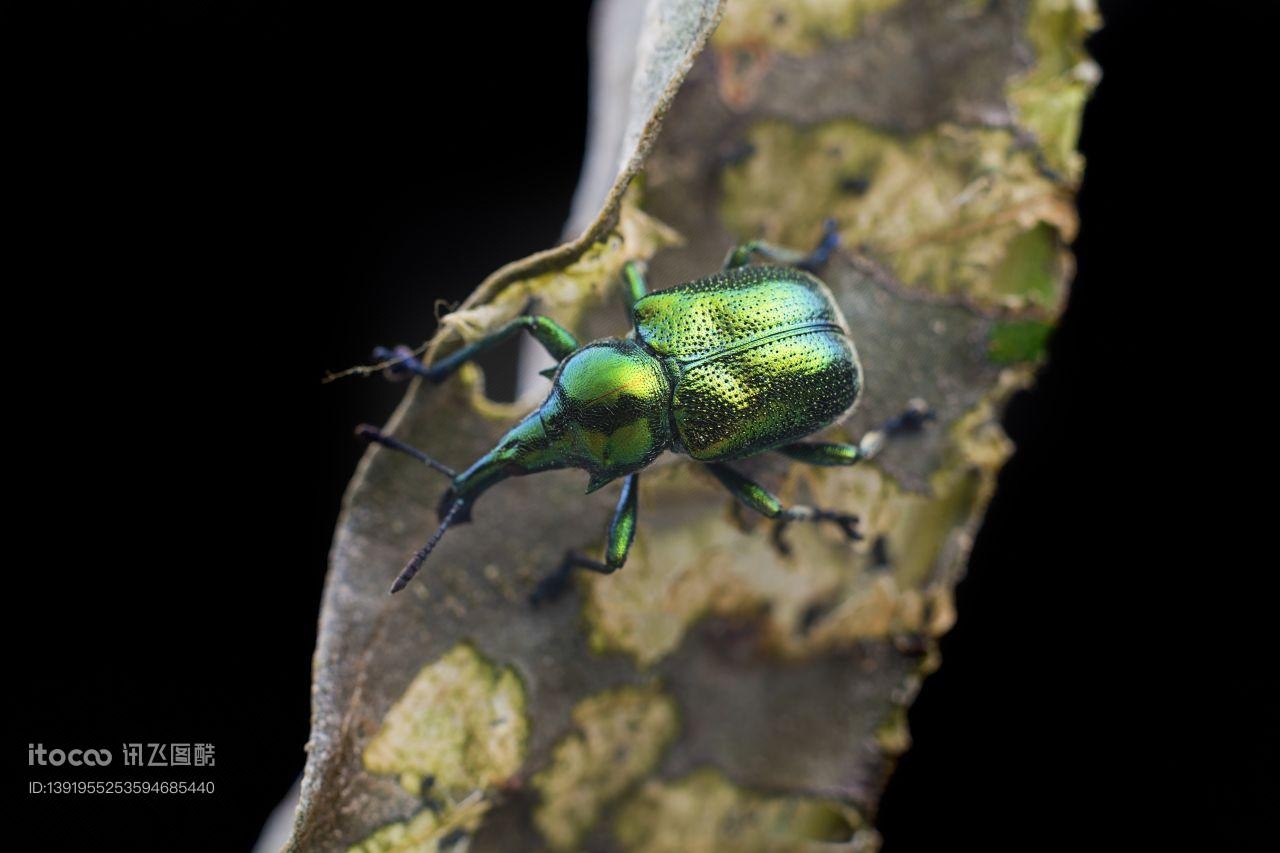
716 694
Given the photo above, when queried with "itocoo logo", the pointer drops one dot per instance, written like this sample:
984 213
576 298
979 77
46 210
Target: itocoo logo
37 754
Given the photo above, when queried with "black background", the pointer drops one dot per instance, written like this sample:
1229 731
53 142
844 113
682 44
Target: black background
207 208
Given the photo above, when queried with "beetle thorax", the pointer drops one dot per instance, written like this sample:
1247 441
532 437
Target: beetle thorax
609 409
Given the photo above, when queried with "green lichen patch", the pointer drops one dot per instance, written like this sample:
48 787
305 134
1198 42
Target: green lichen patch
798 27
424 832
461 722
704 565
893 736
953 210
1033 265
1048 99
705 811
1018 341
621 734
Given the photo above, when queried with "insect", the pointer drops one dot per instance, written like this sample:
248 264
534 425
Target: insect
749 360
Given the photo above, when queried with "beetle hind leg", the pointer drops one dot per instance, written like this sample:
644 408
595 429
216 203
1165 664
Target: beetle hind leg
847 522
754 496
910 419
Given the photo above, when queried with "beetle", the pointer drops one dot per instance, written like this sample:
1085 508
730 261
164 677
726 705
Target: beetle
750 360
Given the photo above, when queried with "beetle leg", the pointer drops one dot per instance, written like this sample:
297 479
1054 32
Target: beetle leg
622 532
823 453
377 436
757 497
847 522
909 419
740 256
634 286
553 337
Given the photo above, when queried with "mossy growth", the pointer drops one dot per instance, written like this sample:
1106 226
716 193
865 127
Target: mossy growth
704 811
619 737
952 210
798 27
1016 341
461 724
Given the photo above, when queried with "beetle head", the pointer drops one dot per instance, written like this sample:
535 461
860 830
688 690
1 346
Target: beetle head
607 413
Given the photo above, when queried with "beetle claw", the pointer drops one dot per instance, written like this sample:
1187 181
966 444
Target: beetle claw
911 419
780 544
400 362
847 523
817 259
554 585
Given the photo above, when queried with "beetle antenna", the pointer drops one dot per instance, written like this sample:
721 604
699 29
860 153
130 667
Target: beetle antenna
377 436
411 568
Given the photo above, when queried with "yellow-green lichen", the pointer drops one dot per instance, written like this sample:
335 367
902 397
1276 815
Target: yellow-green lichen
1049 98
705 811
952 210
798 27
1011 342
709 566
703 564
423 832
621 734
462 722
893 736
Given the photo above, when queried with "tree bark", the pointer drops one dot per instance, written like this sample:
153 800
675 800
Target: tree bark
716 694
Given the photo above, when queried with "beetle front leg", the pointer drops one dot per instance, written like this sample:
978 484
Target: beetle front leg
553 337
740 256
757 497
622 532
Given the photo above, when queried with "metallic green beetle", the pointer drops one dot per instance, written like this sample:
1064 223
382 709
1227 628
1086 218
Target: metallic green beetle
746 361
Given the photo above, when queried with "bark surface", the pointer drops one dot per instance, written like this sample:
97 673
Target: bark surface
715 694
